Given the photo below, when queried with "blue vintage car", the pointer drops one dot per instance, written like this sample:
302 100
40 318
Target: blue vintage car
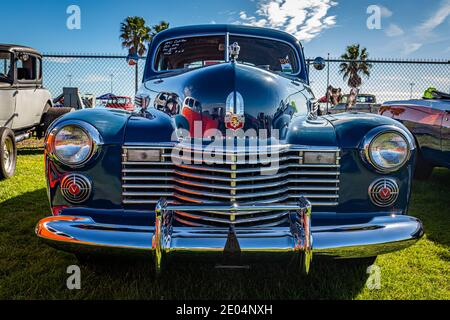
227 160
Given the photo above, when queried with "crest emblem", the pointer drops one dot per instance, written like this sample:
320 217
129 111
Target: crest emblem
234 117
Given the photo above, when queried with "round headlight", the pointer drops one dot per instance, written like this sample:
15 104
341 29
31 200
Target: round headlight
387 151
74 143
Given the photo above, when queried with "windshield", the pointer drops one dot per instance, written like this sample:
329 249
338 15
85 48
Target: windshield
196 52
5 66
266 53
359 99
192 52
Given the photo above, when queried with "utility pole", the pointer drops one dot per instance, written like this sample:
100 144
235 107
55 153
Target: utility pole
412 84
111 76
69 76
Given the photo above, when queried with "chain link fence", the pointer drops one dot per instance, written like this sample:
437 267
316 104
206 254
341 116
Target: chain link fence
92 74
388 80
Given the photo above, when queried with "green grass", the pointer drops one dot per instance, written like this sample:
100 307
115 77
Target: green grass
31 270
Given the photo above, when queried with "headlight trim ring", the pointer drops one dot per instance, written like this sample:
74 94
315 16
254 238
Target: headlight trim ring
373 134
91 132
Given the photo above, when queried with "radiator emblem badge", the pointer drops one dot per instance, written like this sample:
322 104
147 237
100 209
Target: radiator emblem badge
234 117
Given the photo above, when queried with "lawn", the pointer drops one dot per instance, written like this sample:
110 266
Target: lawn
31 270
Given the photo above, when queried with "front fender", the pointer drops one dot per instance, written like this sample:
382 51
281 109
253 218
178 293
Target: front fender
352 127
110 123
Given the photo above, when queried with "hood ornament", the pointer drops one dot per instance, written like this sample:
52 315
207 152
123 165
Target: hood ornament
234 116
234 49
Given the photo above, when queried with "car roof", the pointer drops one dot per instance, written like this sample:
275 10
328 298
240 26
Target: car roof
15 47
224 28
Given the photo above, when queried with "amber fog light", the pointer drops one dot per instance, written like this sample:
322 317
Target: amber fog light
310 157
145 155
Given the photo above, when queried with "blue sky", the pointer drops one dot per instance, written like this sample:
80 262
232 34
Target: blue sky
409 28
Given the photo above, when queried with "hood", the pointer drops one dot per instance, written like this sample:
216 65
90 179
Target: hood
229 96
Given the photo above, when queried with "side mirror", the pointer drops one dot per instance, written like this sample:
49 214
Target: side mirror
319 63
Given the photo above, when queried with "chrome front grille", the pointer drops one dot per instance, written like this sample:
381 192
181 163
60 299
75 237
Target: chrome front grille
238 180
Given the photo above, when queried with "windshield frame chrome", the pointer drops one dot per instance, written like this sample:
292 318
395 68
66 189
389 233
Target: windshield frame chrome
226 51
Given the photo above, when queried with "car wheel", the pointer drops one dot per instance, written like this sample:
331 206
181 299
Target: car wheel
8 153
51 115
423 168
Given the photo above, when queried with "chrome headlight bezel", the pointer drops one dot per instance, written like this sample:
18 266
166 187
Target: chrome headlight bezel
372 135
94 137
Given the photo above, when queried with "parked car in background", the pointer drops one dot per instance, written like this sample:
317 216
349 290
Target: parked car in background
119 102
162 182
429 121
25 105
364 103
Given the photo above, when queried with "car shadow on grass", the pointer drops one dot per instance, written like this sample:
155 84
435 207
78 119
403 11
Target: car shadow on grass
30 151
430 202
328 279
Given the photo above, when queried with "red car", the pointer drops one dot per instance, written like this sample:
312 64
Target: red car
120 103
429 122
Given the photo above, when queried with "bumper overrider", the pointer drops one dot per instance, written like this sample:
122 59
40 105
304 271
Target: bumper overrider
233 246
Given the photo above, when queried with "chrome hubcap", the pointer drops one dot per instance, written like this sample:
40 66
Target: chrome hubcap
8 154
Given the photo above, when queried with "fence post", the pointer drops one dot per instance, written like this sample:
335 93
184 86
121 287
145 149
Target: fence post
136 77
328 79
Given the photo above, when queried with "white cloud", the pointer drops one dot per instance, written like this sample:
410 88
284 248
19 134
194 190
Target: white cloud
436 19
394 30
385 12
304 19
409 48
425 33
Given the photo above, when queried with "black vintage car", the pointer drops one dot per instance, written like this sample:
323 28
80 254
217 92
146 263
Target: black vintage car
227 159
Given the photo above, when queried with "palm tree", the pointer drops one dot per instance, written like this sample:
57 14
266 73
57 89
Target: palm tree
355 66
135 35
163 25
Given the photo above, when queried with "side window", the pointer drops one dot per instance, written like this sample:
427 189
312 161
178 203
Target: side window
5 66
26 66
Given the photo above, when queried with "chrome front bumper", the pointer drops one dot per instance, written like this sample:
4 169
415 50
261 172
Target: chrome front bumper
238 244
